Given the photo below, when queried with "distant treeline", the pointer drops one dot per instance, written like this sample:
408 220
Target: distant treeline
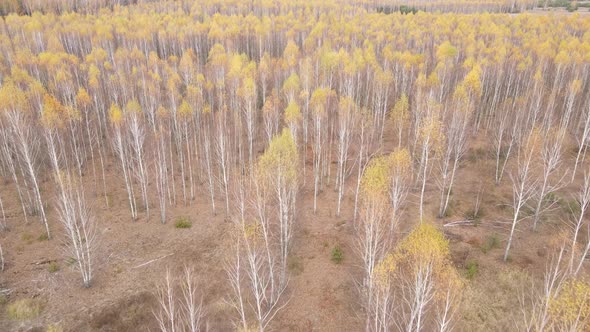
27 7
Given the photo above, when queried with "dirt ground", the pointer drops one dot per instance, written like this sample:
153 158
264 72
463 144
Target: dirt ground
322 295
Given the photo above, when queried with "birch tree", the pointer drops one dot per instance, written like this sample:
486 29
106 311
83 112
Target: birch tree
347 112
550 158
116 120
137 136
372 229
430 138
26 144
179 303
400 183
79 225
319 101
455 135
416 286
578 255
278 168
523 181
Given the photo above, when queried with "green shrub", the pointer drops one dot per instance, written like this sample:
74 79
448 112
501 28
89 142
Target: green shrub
28 238
43 237
337 254
491 242
407 10
24 309
53 267
183 222
71 261
571 207
471 269
571 7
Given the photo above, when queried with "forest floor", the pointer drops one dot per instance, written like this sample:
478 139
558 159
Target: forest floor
321 295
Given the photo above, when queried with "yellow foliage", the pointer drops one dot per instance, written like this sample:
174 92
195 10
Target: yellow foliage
571 306
346 104
248 88
375 180
401 163
12 97
319 99
83 98
54 113
185 110
93 76
280 159
291 84
133 107
291 53
472 81
431 131
206 109
115 115
253 232
445 51
384 270
401 109
292 113
425 244
235 66
576 86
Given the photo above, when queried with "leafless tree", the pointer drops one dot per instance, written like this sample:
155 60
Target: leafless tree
523 182
27 146
79 226
179 309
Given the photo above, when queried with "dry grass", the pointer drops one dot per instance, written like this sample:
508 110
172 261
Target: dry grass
24 309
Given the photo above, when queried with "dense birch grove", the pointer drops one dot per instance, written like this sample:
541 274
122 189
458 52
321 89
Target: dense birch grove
249 105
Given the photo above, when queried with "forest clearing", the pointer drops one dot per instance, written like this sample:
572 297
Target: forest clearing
339 165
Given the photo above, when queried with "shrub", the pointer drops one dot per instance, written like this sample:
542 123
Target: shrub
182 222
407 10
294 264
471 269
491 242
24 309
43 237
337 254
476 155
450 211
474 215
551 198
53 267
571 7
28 238
571 207
71 261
